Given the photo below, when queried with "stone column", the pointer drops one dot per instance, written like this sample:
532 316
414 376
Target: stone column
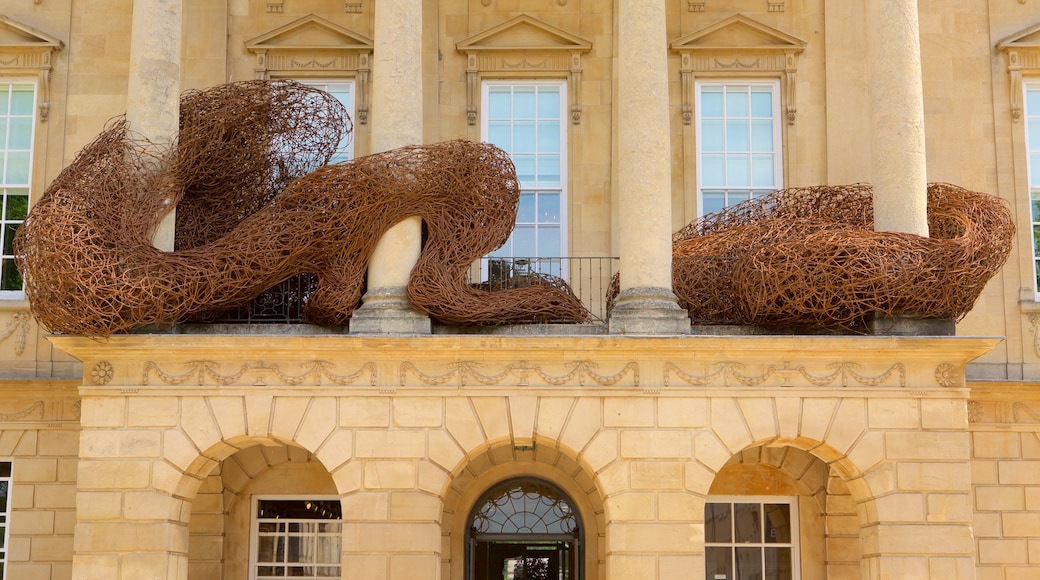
154 87
396 121
898 141
646 304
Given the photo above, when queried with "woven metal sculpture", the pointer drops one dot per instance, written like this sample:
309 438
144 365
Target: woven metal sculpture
255 206
809 257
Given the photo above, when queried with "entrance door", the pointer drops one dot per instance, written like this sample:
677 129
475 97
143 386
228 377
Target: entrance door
524 530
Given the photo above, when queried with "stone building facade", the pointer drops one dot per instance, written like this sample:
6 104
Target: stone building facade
644 451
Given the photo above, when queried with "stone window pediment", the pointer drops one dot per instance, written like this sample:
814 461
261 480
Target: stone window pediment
523 47
1022 51
25 50
315 47
742 46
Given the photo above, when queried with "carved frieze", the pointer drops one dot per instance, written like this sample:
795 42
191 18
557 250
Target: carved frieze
208 372
523 47
838 374
18 327
522 374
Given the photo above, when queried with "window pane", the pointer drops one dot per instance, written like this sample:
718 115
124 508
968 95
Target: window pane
17 168
22 100
549 137
549 103
1033 102
523 137
762 136
1034 170
498 103
17 204
712 201
549 241
711 136
778 564
5 99
498 134
718 563
749 563
761 102
713 170
777 523
549 171
717 522
527 211
711 102
9 232
736 101
747 518
1034 131
738 170
737 135
549 208
1035 205
735 197
762 175
524 242
525 169
523 102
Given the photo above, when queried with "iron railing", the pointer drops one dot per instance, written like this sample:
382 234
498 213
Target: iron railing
588 277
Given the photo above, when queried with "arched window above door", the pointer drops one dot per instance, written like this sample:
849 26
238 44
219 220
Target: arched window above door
524 507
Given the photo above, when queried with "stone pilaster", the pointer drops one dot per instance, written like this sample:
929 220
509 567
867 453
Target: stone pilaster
646 304
898 145
154 87
396 122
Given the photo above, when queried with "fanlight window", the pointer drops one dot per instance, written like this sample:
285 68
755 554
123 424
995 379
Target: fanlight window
525 507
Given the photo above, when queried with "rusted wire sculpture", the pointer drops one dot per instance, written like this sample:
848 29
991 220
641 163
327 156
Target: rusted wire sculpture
809 257
255 206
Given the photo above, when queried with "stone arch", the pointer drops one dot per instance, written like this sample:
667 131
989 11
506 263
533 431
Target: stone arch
545 460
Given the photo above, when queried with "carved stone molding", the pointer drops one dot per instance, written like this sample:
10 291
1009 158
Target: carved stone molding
775 5
17 326
732 373
523 47
523 374
25 50
30 412
695 5
204 372
1034 325
947 375
102 373
352 7
738 45
315 47
1022 51
276 7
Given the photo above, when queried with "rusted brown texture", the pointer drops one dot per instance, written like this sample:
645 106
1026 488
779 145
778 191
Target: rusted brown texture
808 257
255 206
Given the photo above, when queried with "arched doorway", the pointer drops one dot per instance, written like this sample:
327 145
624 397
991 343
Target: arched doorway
524 529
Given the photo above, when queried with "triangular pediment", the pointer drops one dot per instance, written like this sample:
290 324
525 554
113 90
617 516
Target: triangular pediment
1027 38
14 34
311 32
741 33
524 33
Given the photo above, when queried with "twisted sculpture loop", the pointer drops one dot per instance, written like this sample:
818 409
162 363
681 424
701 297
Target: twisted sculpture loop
256 204
809 257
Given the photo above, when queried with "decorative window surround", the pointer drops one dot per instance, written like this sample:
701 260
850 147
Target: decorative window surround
775 5
352 7
739 46
315 47
523 47
276 7
694 6
1023 57
698 5
25 50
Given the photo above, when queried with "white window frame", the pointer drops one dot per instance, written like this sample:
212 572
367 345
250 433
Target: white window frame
1032 179
346 150
5 514
564 117
254 528
778 149
791 501
5 83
